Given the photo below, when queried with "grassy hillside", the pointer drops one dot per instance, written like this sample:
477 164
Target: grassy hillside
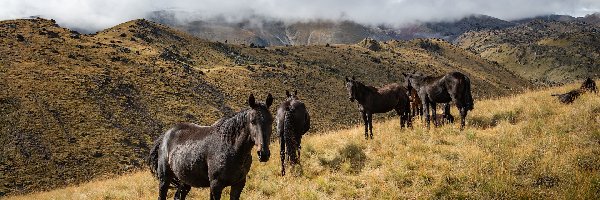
76 106
545 52
526 146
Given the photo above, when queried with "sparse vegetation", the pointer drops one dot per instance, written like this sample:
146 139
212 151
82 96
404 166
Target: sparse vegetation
537 148
545 52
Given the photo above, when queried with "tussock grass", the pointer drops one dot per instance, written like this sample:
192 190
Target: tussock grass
526 146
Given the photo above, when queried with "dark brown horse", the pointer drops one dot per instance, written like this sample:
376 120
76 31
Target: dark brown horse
216 156
292 122
568 97
589 86
379 100
453 86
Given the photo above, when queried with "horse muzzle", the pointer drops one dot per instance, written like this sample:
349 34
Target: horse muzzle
263 156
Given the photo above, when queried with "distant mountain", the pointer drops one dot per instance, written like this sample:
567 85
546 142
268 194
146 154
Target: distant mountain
451 30
272 32
547 18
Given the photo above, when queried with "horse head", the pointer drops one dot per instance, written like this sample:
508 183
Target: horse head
407 83
291 96
413 80
260 123
351 86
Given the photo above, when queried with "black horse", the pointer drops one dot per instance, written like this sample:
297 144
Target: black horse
453 86
379 100
216 156
589 86
292 122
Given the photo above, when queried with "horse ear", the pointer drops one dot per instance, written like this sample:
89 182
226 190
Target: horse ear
287 93
251 101
269 100
295 92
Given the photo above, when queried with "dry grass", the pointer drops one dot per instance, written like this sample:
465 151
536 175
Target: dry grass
527 147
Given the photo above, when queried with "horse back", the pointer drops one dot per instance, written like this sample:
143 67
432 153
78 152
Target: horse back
184 132
461 89
300 118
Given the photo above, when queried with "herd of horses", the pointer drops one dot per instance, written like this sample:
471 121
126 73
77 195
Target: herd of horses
220 155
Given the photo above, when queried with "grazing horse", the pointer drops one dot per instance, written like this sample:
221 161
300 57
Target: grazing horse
379 100
568 97
453 86
292 122
215 156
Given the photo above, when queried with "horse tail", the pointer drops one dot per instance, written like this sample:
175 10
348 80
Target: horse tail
469 98
302 108
152 159
306 122
290 137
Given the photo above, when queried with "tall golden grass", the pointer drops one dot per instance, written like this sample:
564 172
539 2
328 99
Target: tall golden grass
527 146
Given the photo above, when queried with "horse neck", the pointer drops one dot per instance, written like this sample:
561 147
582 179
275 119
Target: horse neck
364 92
417 83
234 133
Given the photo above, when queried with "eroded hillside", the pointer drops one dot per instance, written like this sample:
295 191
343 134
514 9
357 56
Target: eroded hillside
77 106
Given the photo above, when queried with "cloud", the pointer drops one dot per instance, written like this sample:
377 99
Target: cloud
100 14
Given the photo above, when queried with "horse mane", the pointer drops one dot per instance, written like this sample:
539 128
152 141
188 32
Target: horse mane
430 79
228 129
361 87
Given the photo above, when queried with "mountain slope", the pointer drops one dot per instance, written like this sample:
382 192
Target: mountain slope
546 52
76 106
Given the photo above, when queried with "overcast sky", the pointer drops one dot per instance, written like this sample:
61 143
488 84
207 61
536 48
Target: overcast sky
99 14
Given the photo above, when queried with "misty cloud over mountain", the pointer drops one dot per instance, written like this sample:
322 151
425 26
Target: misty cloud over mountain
93 15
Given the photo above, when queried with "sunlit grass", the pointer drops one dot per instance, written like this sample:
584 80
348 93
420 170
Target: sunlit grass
526 146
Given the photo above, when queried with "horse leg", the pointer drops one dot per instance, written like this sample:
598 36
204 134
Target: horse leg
299 139
291 147
165 178
426 112
215 190
282 149
366 122
420 112
408 119
163 187
236 190
463 116
434 114
182 191
370 118
401 117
